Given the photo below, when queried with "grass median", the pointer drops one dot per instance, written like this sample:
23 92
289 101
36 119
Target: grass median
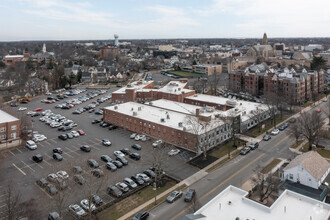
254 132
296 145
126 205
270 166
219 164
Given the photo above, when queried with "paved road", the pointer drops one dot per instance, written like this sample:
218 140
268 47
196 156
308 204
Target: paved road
236 172
16 164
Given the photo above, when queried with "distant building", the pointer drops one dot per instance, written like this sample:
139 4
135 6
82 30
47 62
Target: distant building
233 203
109 52
311 47
265 39
9 127
168 47
13 59
208 69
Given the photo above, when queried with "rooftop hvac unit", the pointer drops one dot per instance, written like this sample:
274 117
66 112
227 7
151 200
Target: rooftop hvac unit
132 109
195 95
236 109
184 129
180 124
139 108
168 116
134 113
162 120
116 107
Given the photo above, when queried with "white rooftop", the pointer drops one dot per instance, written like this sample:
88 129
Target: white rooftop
156 115
137 85
233 204
5 117
14 56
175 87
244 108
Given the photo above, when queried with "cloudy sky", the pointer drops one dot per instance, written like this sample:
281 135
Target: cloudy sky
147 19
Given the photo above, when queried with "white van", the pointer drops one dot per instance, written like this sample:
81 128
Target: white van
31 145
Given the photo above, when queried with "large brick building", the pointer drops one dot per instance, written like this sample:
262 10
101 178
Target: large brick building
9 127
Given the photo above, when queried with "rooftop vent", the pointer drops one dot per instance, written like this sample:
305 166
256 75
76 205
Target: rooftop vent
180 124
162 120
168 116
139 108
132 109
116 107
134 113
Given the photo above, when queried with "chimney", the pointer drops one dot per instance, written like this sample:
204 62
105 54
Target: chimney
197 112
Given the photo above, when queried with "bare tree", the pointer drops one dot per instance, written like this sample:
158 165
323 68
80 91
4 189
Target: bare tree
327 109
12 200
310 124
233 123
271 100
214 81
295 131
257 117
266 185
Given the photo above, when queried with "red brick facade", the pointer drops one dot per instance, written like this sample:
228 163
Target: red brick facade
9 131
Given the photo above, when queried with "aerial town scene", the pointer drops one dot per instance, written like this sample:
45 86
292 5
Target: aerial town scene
165 110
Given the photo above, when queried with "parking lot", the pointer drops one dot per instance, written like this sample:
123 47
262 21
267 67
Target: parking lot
16 165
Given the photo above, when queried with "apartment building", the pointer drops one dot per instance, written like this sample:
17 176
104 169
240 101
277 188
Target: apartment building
208 69
109 52
9 127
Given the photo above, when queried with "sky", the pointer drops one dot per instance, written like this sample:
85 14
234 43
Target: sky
160 19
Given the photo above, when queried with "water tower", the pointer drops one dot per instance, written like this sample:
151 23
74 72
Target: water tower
116 40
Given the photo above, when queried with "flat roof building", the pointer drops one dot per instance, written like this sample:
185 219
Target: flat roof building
9 127
232 203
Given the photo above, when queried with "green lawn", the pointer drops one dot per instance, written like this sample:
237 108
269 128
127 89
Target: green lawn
306 104
270 166
324 153
185 74
223 149
121 208
217 165
254 132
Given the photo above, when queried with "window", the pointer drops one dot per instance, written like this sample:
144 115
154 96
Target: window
3 137
13 135
291 176
3 129
179 134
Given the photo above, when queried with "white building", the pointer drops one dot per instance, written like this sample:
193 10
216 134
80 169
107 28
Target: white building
309 169
232 204
311 47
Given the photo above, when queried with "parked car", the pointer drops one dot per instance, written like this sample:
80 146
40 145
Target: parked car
111 166
138 180
97 200
62 174
143 176
106 142
58 150
174 196
79 179
132 136
254 145
135 156
136 147
57 156
266 138
173 152
53 216
122 160
190 195
122 186
156 143
75 134
96 121
118 153
69 135
63 137
275 132
85 148
93 163
284 126
42 182
31 145
77 169
97 173
114 191
143 215
61 184
318 110
88 207
117 163
125 151
292 120
112 127
51 189
77 210
81 132
106 158
150 173
52 177
245 150
130 183
37 158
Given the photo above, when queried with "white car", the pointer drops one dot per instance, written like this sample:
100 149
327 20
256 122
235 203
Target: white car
144 177
52 177
137 137
132 136
30 112
118 153
275 132
46 112
39 137
77 210
85 204
22 108
156 143
173 152
31 145
143 137
75 133
62 174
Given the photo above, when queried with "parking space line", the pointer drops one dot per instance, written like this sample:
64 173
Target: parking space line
11 152
27 166
98 139
19 150
19 170
46 142
75 147
52 140
43 190
48 163
67 154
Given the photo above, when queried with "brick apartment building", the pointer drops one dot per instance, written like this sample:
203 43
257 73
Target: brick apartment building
208 69
144 91
9 127
108 52
296 88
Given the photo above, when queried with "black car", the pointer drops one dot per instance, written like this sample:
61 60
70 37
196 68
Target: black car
114 191
135 156
266 138
97 173
138 180
125 151
136 147
57 156
190 195
113 127
254 145
104 124
143 215
79 179
93 163
245 151
97 200
13 105
96 121
42 182
117 163
150 173
64 128
35 114
58 150
111 166
122 160
85 148
37 158
106 158
63 137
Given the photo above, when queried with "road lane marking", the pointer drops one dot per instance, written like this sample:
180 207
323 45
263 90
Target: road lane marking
223 182
19 169
27 166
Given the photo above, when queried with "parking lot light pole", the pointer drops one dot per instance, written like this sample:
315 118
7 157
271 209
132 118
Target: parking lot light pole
155 189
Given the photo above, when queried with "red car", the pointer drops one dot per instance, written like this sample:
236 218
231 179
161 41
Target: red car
38 109
318 110
49 102
81 132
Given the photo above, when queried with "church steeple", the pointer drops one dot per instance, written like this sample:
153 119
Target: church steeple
265 39
44 48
